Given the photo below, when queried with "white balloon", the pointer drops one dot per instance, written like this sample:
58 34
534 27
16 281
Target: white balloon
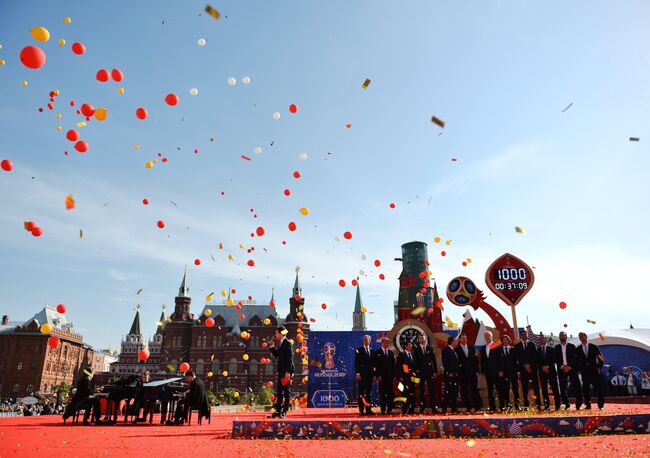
276 115
364 257
337 238
232 81
362 272
194 91
201 42
246 80
303 156
257 150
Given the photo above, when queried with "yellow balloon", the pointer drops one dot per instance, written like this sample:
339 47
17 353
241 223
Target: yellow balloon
244 334
120 90
56 92
210 374
67 20
46 328
245 357
101 114
437 239
207 312
61 42
136 146
304 211
24 83
225 373
2 62
149 165
230 302
58 116
59 128
236 394
267 321
40 34
223 292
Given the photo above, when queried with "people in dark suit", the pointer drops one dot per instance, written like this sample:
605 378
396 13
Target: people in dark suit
426 369
283 352
492 368
526 354
142 398
364 373
406 376
468 374
194 398
510 380
590 361
451 370
81 399
384 366
565 359
547 372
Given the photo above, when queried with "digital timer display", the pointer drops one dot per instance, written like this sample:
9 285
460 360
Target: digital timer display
510 278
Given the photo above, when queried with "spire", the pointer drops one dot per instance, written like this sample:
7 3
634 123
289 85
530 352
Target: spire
272 302
297 291
184 290
161 322
135 327
358 305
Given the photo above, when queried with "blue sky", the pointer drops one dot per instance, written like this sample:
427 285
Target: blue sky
498 73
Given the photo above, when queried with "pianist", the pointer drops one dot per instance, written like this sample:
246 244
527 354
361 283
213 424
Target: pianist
142 397
83 399
195 399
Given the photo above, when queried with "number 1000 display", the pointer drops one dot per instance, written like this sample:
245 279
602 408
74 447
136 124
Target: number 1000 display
511 274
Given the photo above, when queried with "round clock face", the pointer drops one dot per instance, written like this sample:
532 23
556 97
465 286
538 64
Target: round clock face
408 333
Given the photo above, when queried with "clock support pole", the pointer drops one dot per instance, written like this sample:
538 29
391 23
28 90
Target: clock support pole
515 329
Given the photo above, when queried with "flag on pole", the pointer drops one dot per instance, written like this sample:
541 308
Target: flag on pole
469 328
534 338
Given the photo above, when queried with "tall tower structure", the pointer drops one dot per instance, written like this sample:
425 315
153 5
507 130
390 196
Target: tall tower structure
359 314
132 343
178 332
297 325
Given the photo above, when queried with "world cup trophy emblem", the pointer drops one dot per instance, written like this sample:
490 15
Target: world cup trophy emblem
329 350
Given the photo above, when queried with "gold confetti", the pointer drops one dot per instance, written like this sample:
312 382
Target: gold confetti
208 298
471 443
81 233
520 230
69 202
212 12
591 322
418 311
139 291
437 121
366 83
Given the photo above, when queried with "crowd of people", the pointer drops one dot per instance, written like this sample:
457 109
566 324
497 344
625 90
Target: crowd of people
509 370
14 408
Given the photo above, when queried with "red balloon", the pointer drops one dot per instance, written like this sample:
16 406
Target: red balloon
53 341
296 174
145 201
61 308
78 48
342 283
30 225
143 355
323 306
354 282
377 262
242 317
117 75
293 108
87 109
392 205
347 235
81 146
184 367
102 75
292 226
171 99
37 231
382 277
251 263
160 224
7 165
259 231
287 192
562 305
141 113
32 57
197 262
209 322
72 135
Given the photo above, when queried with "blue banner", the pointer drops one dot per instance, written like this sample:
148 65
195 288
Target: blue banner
331 366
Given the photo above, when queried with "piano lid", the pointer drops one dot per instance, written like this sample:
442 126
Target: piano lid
161 382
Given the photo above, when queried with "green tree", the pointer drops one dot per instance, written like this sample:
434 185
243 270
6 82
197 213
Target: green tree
263 396
62 390
212 398
229 396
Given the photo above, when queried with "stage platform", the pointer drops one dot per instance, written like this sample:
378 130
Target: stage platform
348 424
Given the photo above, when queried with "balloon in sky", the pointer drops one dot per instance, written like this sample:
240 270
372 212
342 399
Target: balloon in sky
87 109
257 150
303 156
101 114
184 367
117 75
102 75
6 165
246 80
32 57
171 99
53 341
141 113
276 115
194 91
78 48
81 146
67 20
232 81
293 108
40 34
61 308
201 41
304 211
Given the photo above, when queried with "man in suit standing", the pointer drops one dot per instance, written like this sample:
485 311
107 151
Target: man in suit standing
468 374
405 374
547 372
363 368
565 359
590 361
283 352
194 398
426 368
492 368
384 366
451 370
526 354
510 380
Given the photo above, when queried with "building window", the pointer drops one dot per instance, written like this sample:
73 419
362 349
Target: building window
29 389
32 365
269 369
252 367
20 366
199 367
214 342
16 388
233 366
215 366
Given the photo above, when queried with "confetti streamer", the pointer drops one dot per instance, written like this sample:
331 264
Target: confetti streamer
212 12
520 230
366 83
437 121
69 202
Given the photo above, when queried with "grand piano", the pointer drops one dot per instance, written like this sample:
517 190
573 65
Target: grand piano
165 391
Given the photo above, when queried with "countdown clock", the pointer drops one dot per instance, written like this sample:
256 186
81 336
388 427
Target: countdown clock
509 278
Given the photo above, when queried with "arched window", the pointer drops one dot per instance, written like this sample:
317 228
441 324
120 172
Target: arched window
252 367
215 366
29 389
199 367
269 369
233 366
16 388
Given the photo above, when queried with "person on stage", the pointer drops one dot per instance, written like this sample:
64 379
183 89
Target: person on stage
384 366
451 370
547 373
195 398
590 362
405 374
526 354
82 399
426 369
493 369
142 399
364 372
566 361
283 352
468 375
510 380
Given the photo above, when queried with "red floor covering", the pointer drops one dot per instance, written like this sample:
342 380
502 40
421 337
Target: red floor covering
47 437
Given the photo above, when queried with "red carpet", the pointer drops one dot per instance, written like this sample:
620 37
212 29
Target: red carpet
47 437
